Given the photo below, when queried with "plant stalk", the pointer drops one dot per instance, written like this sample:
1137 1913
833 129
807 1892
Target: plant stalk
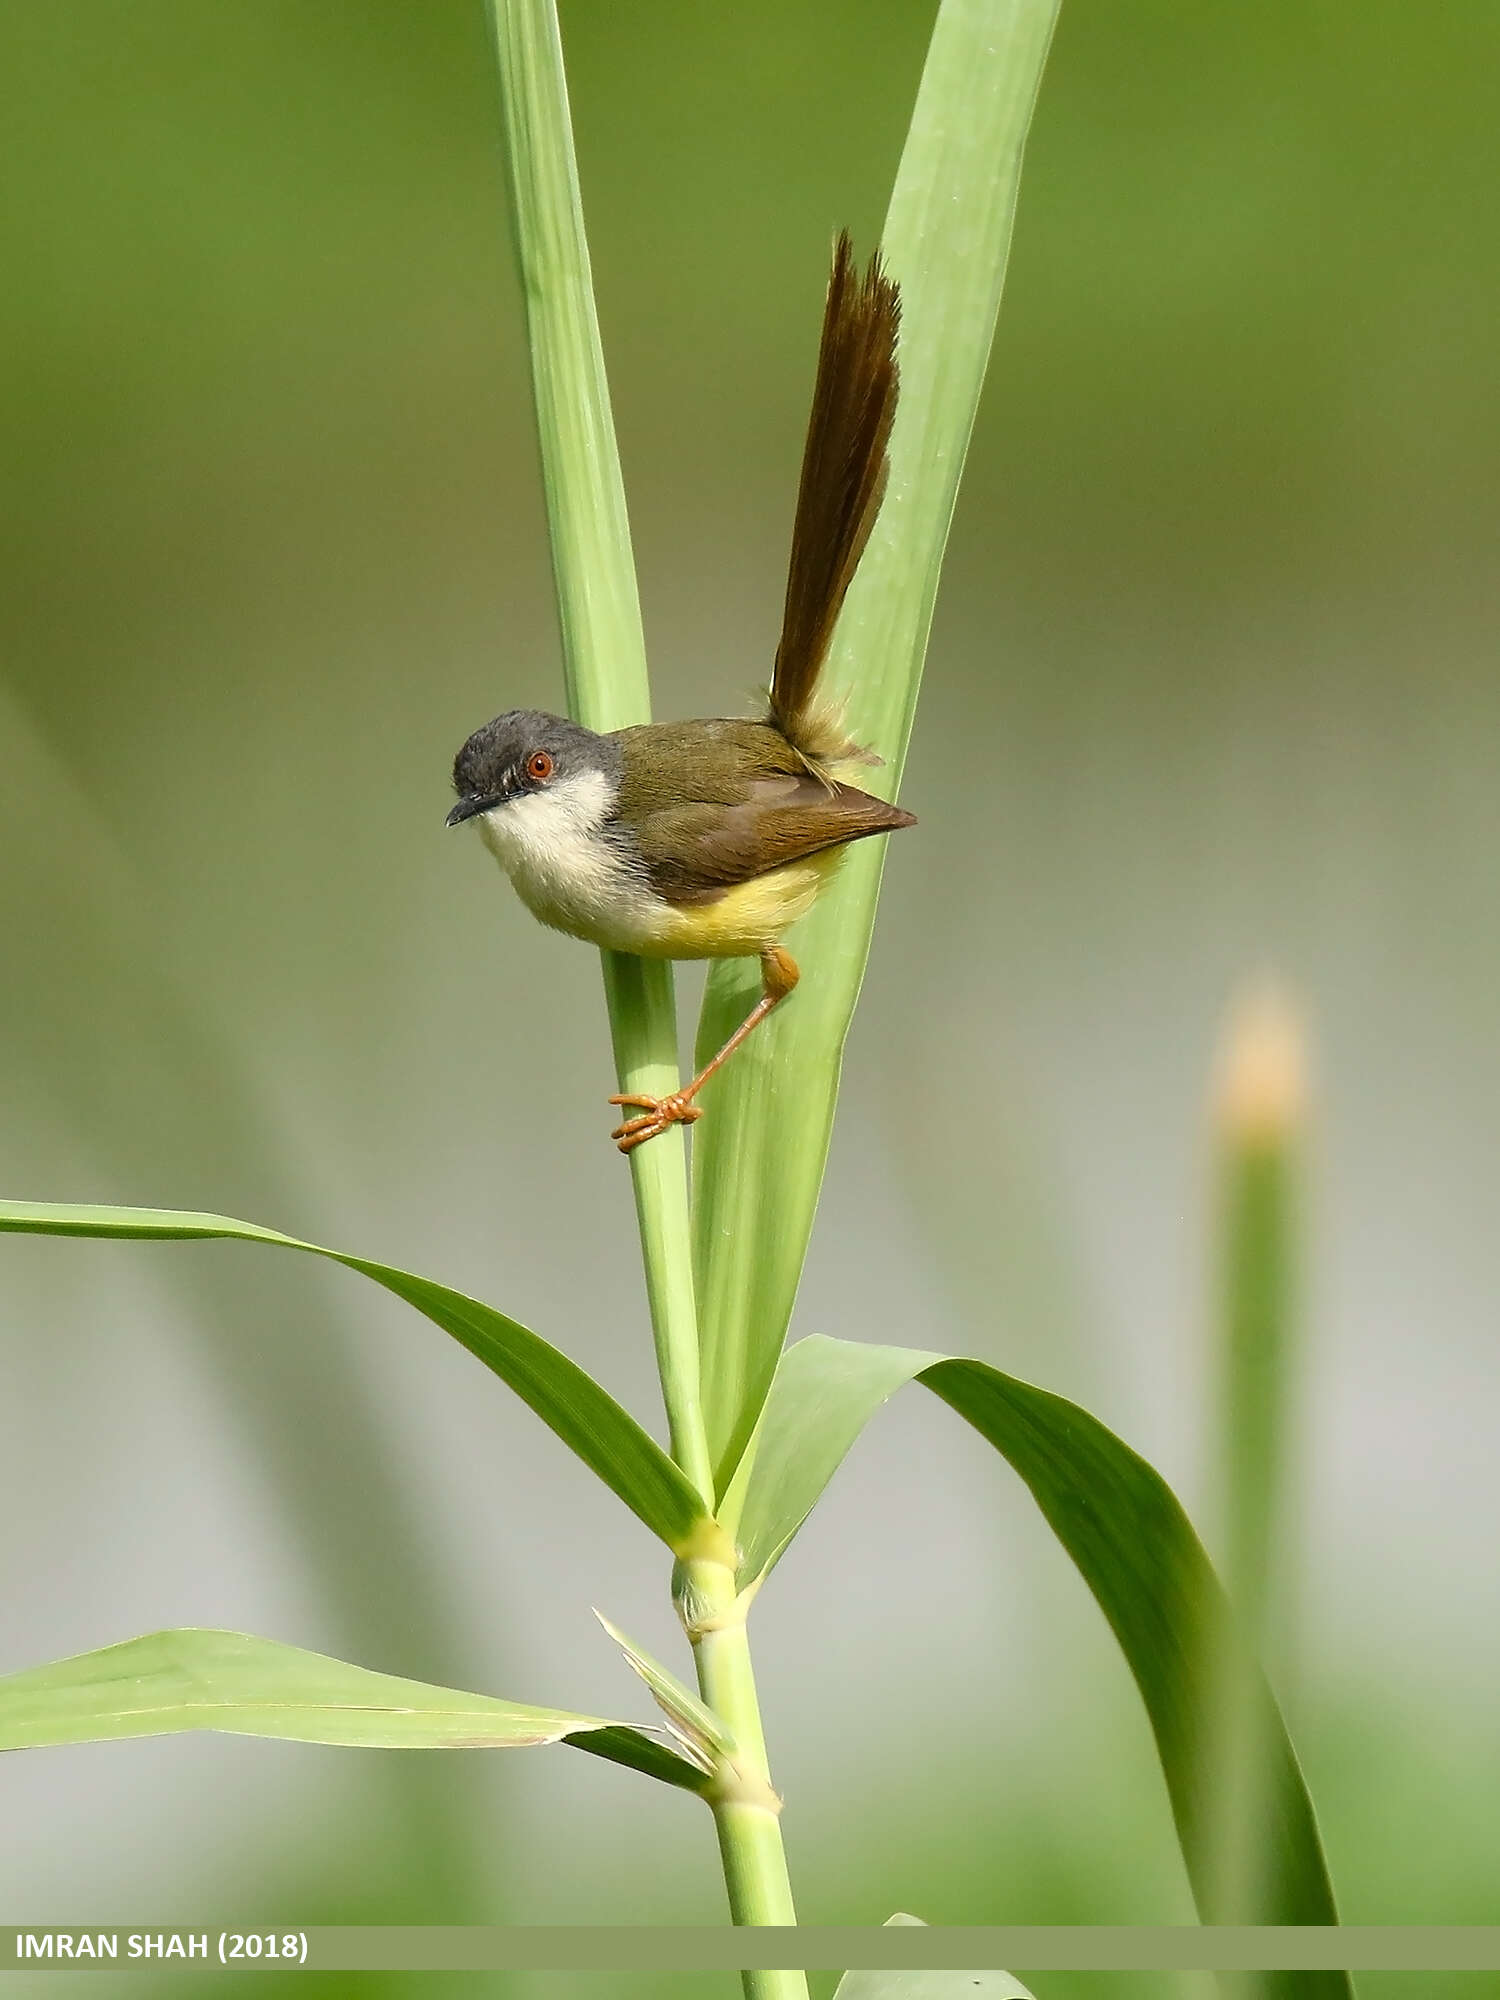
605 663
643 1026
604 647
746 1813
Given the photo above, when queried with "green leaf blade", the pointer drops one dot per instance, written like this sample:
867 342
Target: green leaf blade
824 1393
1135 1548
759 1154
1132 1543
567 1399
193 1678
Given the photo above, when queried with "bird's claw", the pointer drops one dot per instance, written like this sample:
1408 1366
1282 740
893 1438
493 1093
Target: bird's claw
657 1114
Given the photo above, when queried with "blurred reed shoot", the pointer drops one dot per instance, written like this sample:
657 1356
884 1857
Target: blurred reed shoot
1260 1109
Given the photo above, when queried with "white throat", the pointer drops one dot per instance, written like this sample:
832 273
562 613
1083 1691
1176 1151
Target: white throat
549 843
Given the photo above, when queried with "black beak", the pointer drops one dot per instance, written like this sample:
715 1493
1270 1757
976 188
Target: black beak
468 808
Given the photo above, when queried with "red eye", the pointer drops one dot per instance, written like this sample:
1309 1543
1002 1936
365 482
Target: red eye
539 766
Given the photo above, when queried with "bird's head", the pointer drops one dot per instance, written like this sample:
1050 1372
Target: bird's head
525 755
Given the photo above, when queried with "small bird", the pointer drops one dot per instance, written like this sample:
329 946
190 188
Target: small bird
709 839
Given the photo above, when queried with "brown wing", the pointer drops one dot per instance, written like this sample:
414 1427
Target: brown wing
693 851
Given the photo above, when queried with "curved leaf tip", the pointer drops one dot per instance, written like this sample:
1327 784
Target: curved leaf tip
1122 1526
567 1399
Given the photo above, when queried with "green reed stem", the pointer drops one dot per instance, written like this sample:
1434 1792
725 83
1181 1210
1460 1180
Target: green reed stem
750 1844
946 239
605 663
604 647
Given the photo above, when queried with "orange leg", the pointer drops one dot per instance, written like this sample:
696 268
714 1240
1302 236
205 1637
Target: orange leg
779 975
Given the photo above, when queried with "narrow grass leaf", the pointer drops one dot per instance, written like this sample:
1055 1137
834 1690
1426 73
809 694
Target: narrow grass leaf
604 647
196 1679
759 1154
568 1400
1135 1548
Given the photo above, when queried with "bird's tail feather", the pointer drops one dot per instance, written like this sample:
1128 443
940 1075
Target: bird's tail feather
845 466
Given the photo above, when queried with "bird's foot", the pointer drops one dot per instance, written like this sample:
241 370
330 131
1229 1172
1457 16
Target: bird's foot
657 1113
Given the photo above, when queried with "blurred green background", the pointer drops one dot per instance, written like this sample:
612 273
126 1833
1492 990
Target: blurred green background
1211 687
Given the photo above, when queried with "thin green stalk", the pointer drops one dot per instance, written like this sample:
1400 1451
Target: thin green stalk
604 648
950 215
746 1813
605 662
643 1026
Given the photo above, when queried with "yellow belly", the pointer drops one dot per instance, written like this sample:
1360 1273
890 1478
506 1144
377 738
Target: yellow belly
747 919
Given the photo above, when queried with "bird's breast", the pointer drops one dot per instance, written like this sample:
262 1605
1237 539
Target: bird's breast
567 867
575 872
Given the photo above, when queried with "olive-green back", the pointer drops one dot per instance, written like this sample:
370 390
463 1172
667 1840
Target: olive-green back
715 802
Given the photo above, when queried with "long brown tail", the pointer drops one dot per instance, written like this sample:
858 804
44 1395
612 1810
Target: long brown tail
844 470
